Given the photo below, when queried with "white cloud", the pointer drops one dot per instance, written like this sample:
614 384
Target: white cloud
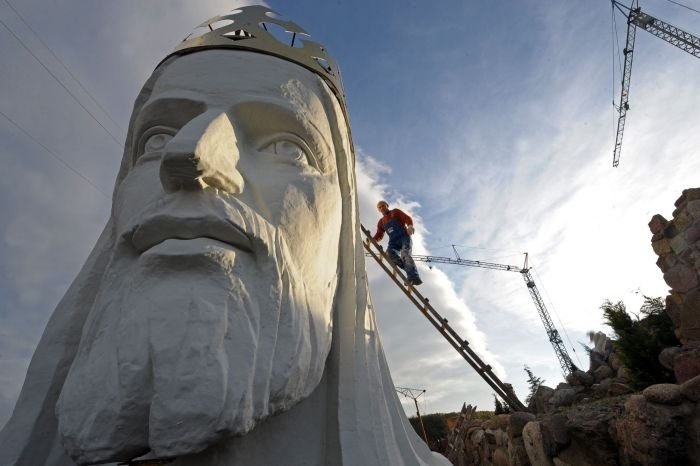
417 354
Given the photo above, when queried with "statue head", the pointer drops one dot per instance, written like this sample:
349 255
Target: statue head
215 310
228 285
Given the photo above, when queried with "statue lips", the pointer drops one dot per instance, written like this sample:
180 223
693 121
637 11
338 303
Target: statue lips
159 228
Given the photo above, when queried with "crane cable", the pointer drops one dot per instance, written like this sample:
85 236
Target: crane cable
615 39
561 324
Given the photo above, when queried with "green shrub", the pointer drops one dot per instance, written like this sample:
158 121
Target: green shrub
641 339
435 426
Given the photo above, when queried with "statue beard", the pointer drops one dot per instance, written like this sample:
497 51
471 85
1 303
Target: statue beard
198 342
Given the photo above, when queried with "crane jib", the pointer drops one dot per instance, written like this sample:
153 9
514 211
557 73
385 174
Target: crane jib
671 34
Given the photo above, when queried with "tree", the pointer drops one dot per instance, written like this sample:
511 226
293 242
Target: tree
500 408
641 339
533 382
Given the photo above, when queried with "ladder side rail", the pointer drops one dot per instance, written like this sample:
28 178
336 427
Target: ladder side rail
624 91
484 367
671 34
462 347
467 354
554 338
492 381
419 301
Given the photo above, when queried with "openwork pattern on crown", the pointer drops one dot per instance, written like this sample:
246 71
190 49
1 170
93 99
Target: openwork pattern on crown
246 28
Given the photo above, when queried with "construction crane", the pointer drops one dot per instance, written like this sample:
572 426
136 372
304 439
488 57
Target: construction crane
567 366
671 34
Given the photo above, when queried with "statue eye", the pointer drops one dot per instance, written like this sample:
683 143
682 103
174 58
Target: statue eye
289 148
152 142
156 142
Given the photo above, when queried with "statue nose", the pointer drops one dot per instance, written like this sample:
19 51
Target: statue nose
203 153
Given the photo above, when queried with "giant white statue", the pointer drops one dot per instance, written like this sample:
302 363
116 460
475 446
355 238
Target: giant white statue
223 317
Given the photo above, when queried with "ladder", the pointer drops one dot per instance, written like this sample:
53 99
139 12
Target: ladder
461 345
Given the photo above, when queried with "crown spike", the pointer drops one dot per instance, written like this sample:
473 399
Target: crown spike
247 31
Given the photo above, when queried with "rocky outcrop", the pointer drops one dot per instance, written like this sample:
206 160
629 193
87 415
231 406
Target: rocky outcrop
595 418
657 427
606 377
677 243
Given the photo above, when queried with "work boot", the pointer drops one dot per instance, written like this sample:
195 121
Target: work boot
415 281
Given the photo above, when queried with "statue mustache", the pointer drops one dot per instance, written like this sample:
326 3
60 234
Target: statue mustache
184 216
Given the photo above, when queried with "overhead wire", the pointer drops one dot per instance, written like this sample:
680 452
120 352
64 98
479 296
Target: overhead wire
80 84
616 44
63 162
116 141
684 6
489 259
615 39
94 100
443 246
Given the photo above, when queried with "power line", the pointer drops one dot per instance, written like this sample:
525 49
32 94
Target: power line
615 42
684 6
61 83
63 162
94 100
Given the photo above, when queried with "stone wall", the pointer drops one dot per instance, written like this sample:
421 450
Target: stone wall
660 426
677 243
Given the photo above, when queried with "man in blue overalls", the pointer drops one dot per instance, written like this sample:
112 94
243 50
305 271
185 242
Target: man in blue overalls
399 227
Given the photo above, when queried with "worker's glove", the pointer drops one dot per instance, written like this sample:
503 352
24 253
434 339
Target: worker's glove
409 230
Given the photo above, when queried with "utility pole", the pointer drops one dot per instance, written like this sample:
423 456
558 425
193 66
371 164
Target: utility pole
414 393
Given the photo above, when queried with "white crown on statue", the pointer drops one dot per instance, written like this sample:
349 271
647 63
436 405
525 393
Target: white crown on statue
248 28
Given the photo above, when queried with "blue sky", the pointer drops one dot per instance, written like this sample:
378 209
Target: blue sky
490 122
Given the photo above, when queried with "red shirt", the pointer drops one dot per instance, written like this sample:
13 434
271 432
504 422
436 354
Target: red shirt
398 216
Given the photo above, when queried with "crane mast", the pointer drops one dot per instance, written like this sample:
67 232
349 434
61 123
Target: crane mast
624 93
671 34
567 365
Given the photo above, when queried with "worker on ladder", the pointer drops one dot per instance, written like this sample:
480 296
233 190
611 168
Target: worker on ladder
399 227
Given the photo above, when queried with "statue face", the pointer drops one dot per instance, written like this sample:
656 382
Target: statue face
217 306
